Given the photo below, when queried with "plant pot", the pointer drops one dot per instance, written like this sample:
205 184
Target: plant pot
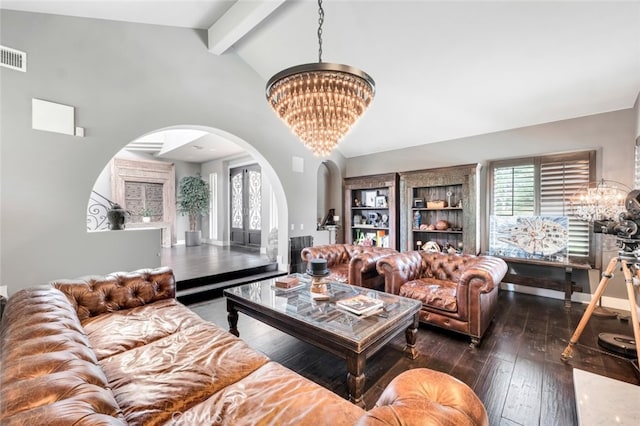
192 238
146 219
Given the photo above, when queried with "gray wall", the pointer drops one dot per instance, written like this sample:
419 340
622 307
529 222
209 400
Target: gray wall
125 80
610 134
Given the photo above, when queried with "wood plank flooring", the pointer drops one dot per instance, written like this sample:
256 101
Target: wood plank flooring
516 371
207 260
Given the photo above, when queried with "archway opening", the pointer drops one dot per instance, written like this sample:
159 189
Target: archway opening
131 179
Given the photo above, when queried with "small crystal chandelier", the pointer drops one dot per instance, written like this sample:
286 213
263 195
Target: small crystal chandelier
320 101
603 200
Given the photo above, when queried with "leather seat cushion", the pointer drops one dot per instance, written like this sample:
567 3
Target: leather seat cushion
117 332
431 292
272 395
170 375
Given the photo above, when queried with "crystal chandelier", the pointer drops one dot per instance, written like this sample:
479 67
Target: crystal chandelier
320 101
603 200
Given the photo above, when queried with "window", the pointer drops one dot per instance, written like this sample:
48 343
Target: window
213 207
544 186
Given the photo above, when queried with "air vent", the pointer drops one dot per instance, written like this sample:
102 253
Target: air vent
12 58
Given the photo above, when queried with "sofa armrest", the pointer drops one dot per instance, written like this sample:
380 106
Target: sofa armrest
423 396
367 260
364 263
335 254
488 271
399 268
96 295
48 370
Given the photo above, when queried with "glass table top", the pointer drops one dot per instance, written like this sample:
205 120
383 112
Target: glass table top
298 303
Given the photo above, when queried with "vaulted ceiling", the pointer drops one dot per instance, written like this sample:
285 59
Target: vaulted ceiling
443 69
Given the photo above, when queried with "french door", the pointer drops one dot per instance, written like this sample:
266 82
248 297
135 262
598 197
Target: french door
246 206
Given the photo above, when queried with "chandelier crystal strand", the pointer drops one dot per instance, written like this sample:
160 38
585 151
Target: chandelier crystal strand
602 201
320 102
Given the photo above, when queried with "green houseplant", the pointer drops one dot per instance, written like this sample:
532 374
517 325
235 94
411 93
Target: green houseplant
146 213
193 200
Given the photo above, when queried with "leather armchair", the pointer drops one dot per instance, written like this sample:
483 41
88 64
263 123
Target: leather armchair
459 292
350 263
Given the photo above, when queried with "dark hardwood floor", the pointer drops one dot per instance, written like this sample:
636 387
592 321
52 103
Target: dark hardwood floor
516 372
206 260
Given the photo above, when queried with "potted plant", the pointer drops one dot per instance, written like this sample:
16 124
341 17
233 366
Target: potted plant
193 200
146 213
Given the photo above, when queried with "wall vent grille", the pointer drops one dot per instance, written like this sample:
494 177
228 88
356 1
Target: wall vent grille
12 58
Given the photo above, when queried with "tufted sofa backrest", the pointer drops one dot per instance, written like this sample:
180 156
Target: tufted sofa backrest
96 295
446 267
335 254
48 372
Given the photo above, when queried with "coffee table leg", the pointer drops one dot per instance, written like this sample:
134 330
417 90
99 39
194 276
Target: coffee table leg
232 318
355 378
411 334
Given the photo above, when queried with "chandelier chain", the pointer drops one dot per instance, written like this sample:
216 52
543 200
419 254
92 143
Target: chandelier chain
320 22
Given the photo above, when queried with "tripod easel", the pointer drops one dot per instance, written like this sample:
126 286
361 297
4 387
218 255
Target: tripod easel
606 276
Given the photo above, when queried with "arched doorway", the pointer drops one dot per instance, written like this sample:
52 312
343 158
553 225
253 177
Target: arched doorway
329 205
200 150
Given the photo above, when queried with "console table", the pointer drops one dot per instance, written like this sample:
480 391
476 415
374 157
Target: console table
567 285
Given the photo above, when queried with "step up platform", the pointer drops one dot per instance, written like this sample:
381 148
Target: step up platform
195 290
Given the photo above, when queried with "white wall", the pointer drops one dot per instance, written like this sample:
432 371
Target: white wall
124 80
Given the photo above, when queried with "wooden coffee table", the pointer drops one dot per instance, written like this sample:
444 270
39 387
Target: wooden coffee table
322 324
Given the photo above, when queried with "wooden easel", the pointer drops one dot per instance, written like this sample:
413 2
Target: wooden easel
606 276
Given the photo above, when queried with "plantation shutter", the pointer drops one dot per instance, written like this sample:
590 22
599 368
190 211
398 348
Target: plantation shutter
560 181
514 190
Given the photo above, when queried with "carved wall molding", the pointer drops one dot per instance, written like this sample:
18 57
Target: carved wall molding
123 171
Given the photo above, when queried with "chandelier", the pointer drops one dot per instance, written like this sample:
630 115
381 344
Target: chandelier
320 101
604 200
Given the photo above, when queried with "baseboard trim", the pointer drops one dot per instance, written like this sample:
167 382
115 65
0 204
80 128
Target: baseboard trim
584 298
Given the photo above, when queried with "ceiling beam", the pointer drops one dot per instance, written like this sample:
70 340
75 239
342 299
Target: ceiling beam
241 18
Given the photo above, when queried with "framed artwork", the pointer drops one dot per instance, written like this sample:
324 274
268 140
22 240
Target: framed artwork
529 236
381 201
369 198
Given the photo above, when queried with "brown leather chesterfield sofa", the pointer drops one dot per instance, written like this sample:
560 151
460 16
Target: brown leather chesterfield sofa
458 292
119 349
349 263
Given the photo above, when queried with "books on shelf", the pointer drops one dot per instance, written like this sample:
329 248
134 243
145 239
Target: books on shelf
360 304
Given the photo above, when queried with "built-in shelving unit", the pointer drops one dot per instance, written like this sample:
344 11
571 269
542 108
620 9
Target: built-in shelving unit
439 209
371 210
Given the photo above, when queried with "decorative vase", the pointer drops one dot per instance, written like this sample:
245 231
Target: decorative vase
146 219
115 216
417 219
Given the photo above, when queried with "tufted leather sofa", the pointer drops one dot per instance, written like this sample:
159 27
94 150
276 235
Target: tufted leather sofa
349 263
458 291
119 349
